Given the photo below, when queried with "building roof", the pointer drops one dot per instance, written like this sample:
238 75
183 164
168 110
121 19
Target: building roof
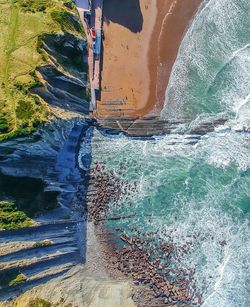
82 5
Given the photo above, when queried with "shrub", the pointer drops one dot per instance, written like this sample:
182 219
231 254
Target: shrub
6 276
33 6
4 125
24 110
36 122
39 44
42 243
11 277
11 217
69 5
66 21
19 86
17 133
20 278
38 302
36 100
61 17
25 86
36 79
24 125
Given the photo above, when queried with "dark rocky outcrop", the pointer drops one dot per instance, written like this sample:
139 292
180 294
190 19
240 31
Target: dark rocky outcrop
68 51
146 127
49 156
207 126
65 80
62 91
154 126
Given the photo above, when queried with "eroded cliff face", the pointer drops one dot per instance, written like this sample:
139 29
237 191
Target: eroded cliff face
43 52
40 171
50 155
65 79
50 256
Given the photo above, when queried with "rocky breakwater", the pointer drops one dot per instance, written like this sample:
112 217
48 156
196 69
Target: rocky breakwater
150 127
57 243
106 188
150 263
152 267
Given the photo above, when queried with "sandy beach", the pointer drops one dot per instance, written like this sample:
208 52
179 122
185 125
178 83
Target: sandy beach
173 20
141 41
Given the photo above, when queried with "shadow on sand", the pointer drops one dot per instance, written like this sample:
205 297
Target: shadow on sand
126 13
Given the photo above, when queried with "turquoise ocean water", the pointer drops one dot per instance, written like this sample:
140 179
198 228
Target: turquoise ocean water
198 193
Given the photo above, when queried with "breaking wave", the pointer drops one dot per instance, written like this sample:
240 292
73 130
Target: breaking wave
211 73
191 192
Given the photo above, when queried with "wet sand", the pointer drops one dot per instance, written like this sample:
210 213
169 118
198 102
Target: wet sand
141 41
174 18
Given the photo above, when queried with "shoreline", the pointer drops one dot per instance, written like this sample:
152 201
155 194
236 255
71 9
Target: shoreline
149 35
148 268
127 30
174 18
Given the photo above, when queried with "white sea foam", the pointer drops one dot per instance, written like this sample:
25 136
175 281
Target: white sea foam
199 192
219 252
216 37
220 148
211 217
223 149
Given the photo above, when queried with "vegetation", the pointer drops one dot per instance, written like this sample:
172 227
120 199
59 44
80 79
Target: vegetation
38 302
4 125
28 194
65 20
16 133
42 243
18 280
30 199
24 110
11 217
34 6
11 277
24 23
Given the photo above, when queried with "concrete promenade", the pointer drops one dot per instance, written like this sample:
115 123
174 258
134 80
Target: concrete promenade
94 43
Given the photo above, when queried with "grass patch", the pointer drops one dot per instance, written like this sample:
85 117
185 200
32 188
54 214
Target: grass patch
22 23
42 243
20 278
11 217
38 302
11 277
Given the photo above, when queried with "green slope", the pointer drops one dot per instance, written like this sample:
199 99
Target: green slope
22 24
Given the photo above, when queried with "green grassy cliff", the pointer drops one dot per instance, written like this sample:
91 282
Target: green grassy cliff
23 24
